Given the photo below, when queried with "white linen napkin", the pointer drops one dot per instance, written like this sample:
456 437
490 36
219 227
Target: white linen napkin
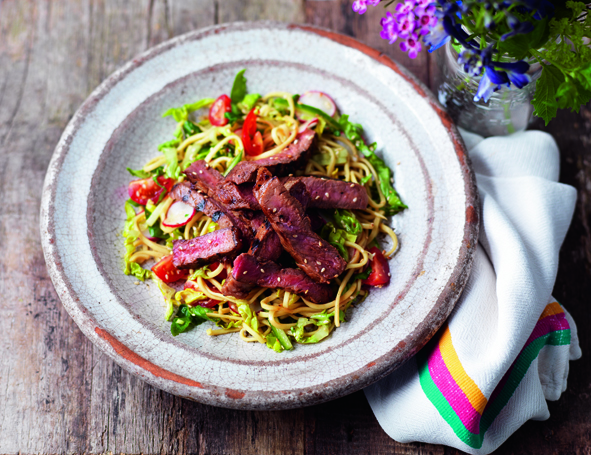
506 347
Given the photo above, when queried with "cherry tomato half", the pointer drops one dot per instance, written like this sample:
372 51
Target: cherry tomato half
217 110
144 190
251 138
380 270
167 272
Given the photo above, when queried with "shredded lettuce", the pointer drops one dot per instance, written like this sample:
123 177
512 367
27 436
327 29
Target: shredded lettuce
347 220
363 275
139 173
281 337
298 331
188 316
353 132
249 101
324 158
249 316
189 128
170 310
169 144
139 272
181 114
324 318
337 238
273 343
173 169
189 296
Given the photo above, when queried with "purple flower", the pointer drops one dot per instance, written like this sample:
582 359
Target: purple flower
412 45
360 6
472 62
389 28
426 19
437 37
425 3
406 24
406 7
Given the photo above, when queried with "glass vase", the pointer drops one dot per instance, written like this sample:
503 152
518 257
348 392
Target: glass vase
507 111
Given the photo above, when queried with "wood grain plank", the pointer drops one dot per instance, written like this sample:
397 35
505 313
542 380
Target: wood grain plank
255 10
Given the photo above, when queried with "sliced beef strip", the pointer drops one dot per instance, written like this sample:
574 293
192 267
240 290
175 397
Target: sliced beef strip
288 159
237 197
268 274
331 193
211 247
203 176
202 203
315 256
208 180
238 289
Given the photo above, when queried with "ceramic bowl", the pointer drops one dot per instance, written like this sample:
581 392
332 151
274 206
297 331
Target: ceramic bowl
121 124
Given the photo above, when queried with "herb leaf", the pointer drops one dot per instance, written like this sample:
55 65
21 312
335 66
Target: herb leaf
238 88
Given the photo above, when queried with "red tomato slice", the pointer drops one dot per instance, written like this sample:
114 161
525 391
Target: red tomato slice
167 272
251 138
144 190
209 303
217 110
380 269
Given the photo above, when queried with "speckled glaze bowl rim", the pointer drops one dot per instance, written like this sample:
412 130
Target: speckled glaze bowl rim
169 381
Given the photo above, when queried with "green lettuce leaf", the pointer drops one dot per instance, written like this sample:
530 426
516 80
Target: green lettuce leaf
298 331
139 173
187 316
353 132
250 100
189 296
190 128
337 238
348 221
139 272
181 114
238 88
281 337
173 169
324 158
273 343
363 275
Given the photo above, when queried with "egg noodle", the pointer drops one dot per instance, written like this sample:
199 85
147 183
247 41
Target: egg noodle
273 317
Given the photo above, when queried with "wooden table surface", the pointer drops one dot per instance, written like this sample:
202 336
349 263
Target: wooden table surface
58 393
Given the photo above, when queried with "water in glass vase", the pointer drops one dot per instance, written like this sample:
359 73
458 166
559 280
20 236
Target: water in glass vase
507 111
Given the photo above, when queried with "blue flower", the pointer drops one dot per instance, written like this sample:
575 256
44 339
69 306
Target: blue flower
491 81
517 27
437 37
516 72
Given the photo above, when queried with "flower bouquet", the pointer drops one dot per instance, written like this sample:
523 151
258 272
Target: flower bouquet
497 41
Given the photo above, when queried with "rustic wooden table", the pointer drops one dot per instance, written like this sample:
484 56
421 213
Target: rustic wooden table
58 393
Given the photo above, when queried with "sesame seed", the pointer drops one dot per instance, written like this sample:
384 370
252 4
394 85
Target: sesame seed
354 199
295 236
319 243
296 141
305 261
389 274
317 197
306 291
291 175
326 194
191 271
318 262
245 272
262 270
278 278
194 173
209 241
274 210
166 276
352 185
136 283
200 171
323 269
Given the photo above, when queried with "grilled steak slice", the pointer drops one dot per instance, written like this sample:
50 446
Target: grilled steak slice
202 203
188 254
330 193
248 269
237 197
203 176
236 288
315 256
266 245
289 158
208 180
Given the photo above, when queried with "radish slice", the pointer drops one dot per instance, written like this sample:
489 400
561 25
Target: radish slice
320 101
178 214
308 125
146 232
